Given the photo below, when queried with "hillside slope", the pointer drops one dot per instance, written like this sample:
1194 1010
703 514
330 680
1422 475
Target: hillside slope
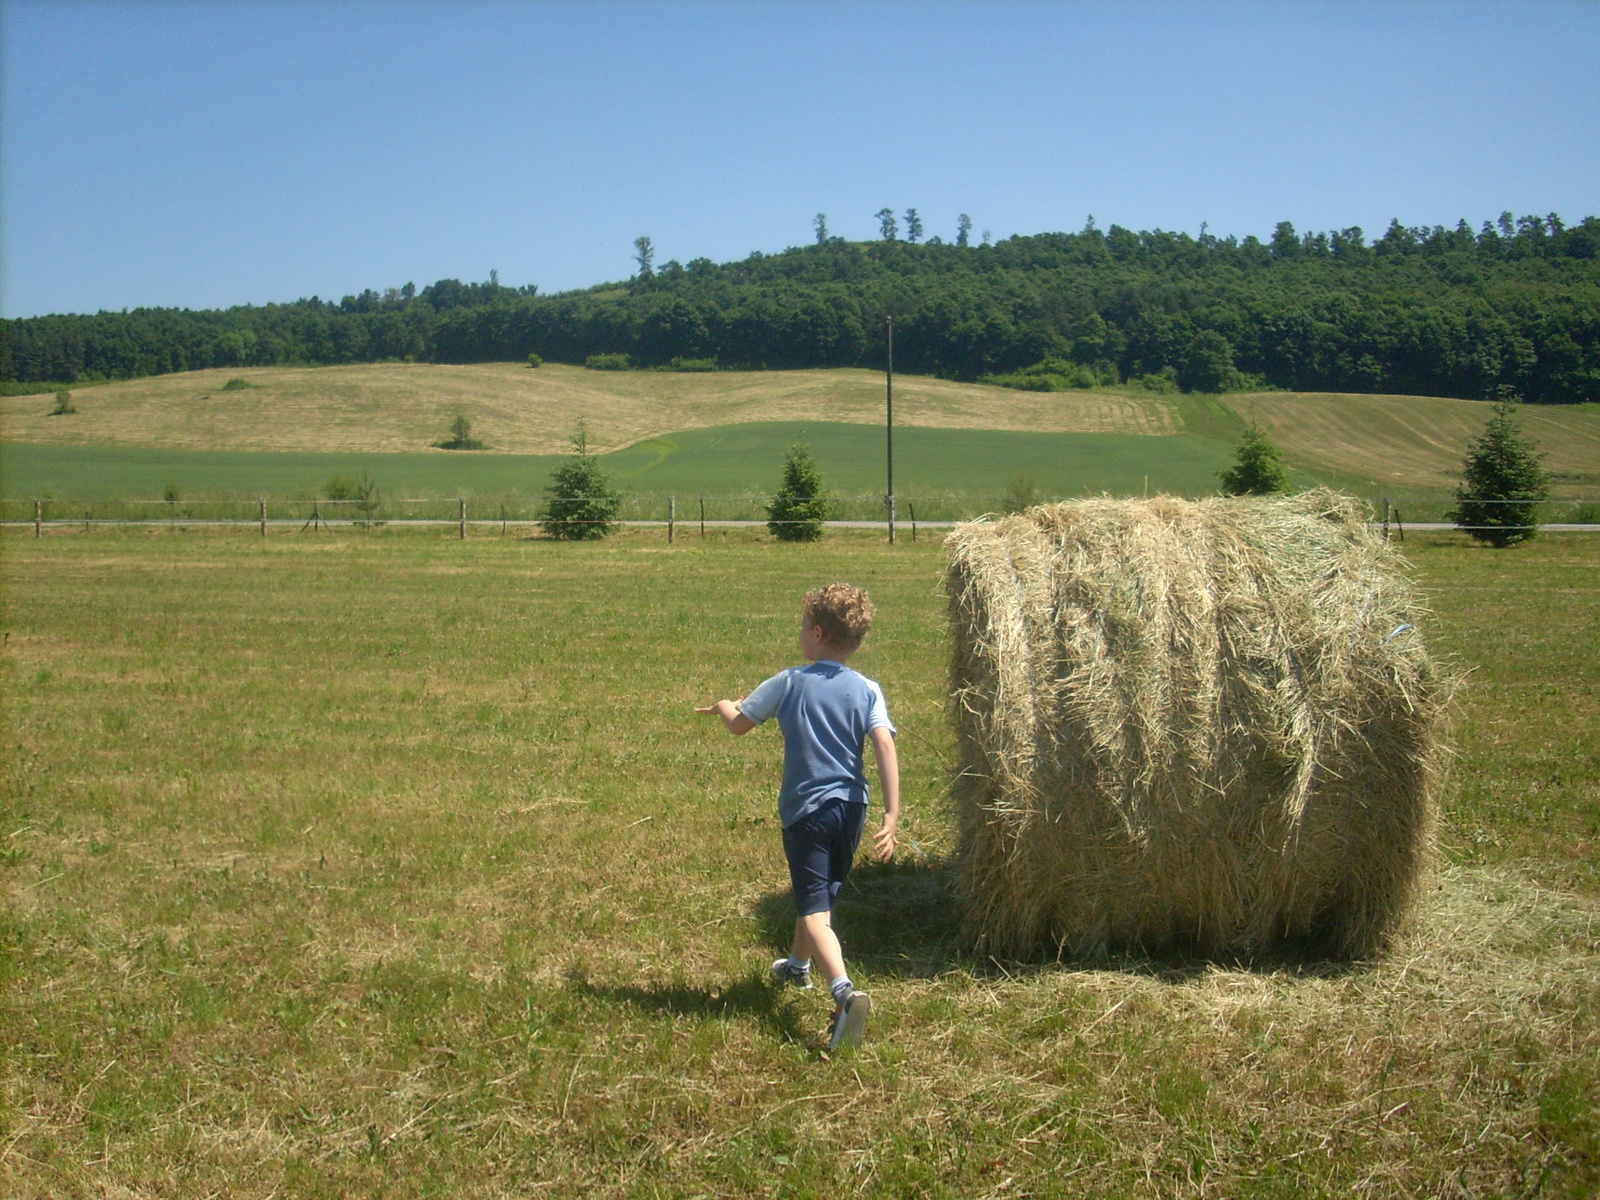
1392 441
515 410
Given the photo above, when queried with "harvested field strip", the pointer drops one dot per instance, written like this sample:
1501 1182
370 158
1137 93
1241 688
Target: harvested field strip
1410 442
390 408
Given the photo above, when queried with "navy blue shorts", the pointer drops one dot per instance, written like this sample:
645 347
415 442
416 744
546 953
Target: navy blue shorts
820 847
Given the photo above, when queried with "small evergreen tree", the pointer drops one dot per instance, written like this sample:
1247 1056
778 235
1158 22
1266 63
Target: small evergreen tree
1501 482
1256 470
582 505
1020 493
797 512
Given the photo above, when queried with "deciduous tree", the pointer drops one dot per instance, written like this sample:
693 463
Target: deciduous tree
887 225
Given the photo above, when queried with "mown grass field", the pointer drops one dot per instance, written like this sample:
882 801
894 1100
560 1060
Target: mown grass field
400 407
390 864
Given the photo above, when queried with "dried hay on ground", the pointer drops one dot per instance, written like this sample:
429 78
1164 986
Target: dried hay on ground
1210 724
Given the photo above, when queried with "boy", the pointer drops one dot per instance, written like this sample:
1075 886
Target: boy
827 712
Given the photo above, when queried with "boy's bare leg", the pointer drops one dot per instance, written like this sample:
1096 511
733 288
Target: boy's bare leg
814 939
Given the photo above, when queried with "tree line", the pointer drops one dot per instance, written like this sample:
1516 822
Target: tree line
1421 310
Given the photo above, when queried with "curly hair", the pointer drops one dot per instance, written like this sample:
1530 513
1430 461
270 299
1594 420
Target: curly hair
843 610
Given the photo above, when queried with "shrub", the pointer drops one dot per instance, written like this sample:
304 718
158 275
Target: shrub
535 361
171 494
797 512
691 364
1256 470
63 404
1056 375
1162 382
460 436
1502 482
237 385
582 506
363 491
608 362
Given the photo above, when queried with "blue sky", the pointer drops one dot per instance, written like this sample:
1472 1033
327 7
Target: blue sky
208 154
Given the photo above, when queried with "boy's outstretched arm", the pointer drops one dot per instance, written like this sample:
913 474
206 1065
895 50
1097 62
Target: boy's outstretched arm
735 720
889 776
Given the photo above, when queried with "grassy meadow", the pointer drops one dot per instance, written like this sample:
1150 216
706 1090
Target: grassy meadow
385 863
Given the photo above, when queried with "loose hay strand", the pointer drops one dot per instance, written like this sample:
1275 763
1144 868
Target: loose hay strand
1209 723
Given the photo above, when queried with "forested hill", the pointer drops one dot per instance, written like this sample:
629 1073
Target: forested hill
1422 310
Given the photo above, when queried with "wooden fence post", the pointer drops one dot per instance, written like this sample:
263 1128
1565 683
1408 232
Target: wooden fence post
912 505
672 517
38 525
502 520
702 517
316 518
463 518
1386 518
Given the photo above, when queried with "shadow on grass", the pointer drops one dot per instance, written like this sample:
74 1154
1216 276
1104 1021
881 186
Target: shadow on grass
752 996
897 919
904 919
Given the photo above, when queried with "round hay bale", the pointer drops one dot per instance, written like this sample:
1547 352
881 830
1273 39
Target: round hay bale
1206 724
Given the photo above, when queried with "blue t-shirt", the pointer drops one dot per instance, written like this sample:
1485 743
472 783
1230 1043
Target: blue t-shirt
825 710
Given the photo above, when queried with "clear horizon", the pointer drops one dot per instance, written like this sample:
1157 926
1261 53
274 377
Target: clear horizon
201 156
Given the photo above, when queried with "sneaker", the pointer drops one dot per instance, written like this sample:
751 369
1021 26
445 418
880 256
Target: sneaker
850 1021
786 974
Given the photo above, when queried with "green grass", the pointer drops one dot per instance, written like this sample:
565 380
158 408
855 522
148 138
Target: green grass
729 460
390 864
737 458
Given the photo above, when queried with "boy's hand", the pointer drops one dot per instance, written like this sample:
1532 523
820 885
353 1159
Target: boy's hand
735 721
883 840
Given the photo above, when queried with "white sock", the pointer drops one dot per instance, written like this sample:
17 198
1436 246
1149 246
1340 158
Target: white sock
841 989
796 965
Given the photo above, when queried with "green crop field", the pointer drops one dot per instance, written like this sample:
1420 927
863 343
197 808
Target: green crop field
730 460
386 863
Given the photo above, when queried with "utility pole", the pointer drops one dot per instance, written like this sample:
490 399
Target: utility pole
889 426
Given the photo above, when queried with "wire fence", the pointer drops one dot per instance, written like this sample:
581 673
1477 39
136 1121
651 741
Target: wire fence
675 512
